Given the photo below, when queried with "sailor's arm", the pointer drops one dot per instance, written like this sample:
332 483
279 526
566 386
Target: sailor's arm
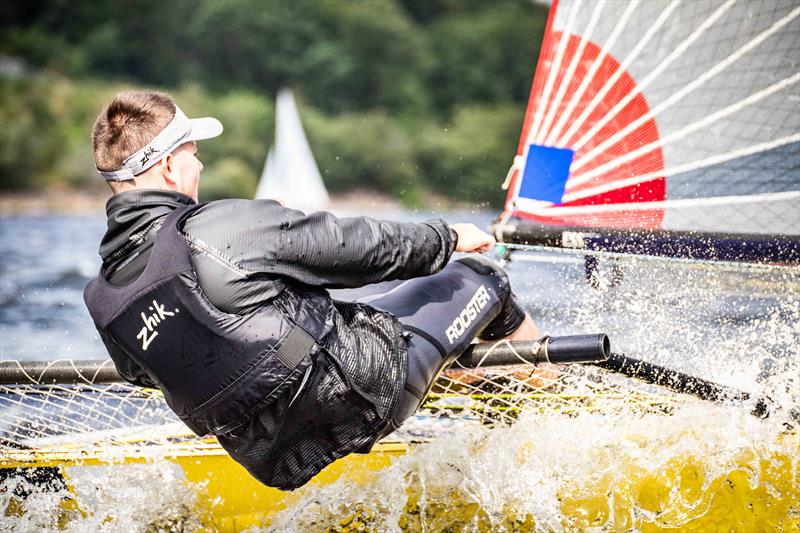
322 249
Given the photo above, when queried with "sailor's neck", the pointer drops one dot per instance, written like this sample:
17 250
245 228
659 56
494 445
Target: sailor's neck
145 199
132 213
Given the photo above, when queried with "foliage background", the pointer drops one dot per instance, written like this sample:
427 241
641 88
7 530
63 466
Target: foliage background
404 97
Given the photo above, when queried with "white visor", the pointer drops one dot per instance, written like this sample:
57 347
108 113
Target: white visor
180 130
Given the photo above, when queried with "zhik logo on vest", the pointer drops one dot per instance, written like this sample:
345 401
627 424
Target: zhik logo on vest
468 314
151 321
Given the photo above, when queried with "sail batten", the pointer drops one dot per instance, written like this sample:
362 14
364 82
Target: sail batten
619 71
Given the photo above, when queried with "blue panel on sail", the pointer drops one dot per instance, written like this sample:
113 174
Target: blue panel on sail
546 173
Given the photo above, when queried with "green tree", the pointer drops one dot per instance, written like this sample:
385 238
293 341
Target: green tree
488 56
427 11
469 157
261 45
142 39
364 150
400 96
31 139
390 55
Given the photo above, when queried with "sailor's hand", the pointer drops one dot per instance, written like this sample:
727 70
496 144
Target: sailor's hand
472 239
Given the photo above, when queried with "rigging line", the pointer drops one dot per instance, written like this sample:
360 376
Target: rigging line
503 220
496 346
589 77
683 132
515 165
25 373
101 367
552 74
568 76
103 392
680 169
621 69
136 434
505 394
654 74
519 163
125 400
23 435
679 95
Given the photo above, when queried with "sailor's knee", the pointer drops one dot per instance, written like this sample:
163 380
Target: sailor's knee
486 267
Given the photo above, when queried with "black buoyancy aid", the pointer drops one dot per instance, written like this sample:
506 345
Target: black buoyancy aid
216 370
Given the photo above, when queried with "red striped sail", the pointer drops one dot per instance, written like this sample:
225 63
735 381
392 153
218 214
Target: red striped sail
664 115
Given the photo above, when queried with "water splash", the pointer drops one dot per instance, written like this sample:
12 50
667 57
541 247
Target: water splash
692 469
736 325
134 498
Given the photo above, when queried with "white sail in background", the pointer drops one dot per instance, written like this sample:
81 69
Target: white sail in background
290 172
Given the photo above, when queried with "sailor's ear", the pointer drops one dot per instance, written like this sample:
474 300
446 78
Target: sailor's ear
169 169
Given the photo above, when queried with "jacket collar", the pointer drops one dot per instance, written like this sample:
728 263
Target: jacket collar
131 214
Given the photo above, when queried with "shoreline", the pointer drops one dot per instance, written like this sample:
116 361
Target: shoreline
65 201
54 201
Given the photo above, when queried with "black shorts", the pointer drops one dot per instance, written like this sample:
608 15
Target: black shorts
471 297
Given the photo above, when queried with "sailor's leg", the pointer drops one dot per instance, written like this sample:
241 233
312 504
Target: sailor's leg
365 293
470 298
511 322
525 332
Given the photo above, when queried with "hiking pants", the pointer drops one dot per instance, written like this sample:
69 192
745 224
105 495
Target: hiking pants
442 314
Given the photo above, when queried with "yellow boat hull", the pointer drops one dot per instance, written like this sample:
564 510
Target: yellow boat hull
229 499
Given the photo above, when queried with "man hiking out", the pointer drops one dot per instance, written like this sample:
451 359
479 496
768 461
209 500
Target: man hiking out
225 306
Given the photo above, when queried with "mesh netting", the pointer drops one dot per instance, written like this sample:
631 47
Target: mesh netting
89 418
64 417
498 395
363 340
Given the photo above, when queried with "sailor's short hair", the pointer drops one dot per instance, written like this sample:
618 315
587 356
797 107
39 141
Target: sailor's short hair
126 124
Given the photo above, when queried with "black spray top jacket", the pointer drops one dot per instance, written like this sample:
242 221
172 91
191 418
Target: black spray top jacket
246 252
